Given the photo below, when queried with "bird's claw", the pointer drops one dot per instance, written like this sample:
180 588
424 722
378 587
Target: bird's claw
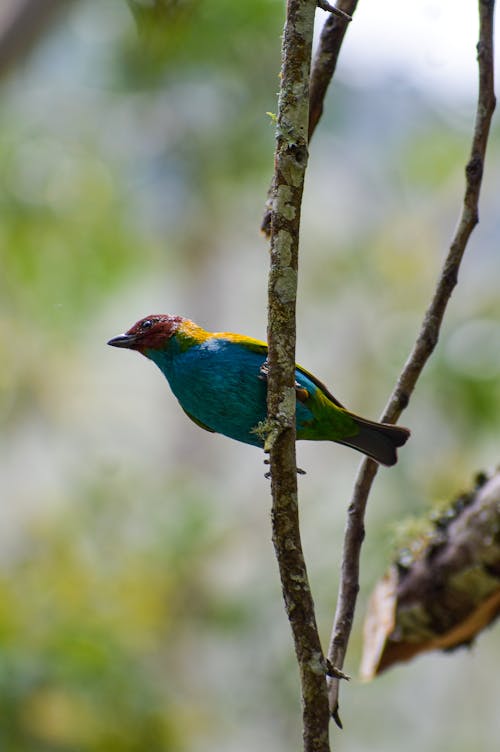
268 474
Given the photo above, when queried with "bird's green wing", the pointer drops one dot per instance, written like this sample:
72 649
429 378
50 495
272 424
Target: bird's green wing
256 345
320 386
198 422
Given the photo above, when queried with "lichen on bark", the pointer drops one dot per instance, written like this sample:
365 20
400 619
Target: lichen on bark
290 164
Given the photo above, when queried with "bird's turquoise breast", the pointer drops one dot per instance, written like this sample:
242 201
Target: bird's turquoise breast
218 382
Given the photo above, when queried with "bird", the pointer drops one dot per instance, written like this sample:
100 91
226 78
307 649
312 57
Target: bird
220 381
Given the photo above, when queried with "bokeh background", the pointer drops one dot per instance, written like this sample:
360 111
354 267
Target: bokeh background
140 606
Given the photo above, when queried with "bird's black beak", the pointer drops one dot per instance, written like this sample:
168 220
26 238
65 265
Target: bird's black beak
123 340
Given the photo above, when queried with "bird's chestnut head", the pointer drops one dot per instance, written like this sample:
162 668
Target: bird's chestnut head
150 333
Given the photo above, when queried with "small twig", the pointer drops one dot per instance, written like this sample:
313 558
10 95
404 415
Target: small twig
336 672
324 5
423 348
290 164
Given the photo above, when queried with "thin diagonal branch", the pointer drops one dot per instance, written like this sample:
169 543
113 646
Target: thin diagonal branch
424 346
290 164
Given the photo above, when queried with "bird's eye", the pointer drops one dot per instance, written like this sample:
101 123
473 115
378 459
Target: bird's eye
147 324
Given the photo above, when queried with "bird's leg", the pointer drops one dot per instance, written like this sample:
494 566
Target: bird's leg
268 474
301 394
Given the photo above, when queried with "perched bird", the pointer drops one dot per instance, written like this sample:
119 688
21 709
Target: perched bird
219 379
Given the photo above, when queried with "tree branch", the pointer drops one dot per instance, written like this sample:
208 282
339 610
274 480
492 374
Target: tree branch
325 59
323 68
22 24
424 346
333 9
290 164
444 586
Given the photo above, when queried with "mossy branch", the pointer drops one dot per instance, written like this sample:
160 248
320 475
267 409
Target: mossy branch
443 587
290 165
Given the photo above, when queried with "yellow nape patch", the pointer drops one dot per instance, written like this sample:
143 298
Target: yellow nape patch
241 339
190 334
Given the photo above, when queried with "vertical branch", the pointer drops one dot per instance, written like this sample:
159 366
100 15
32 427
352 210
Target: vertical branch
424 346
290 164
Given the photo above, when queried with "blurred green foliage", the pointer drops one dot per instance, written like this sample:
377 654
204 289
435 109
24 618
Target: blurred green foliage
64 236
181 34
91 603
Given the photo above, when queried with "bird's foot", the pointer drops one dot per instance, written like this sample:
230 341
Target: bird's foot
268 474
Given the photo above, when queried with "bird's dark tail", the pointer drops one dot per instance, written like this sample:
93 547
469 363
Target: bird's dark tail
378 440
